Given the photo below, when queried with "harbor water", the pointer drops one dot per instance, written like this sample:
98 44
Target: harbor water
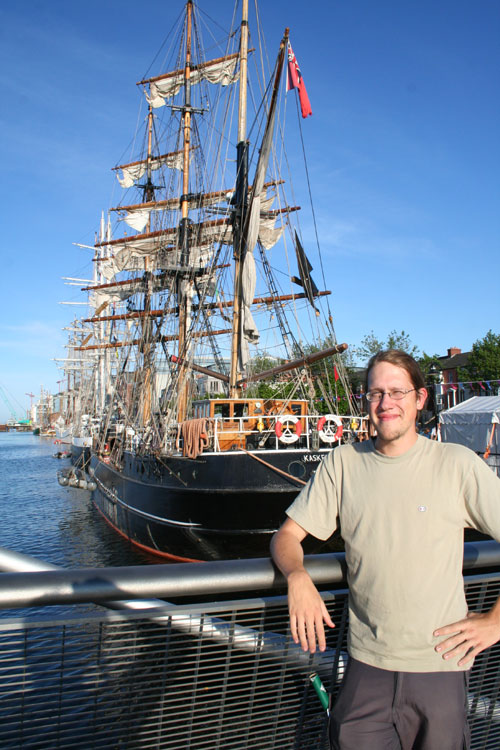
55 524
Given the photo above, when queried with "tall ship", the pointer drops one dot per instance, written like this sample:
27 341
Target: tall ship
211 383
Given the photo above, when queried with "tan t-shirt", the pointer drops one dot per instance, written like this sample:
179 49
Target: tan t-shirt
402 521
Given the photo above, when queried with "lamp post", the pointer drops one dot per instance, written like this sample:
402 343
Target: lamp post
434 372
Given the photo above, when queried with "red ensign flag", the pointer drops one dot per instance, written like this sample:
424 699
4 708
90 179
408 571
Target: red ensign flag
295 81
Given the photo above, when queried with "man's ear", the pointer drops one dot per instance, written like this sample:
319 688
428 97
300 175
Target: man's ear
421 398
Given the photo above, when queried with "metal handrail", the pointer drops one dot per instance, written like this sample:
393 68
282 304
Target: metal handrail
102 585
219 674
309 420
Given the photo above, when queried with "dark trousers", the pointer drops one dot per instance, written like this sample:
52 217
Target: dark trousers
381 710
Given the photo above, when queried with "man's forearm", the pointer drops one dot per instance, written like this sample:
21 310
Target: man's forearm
287 552
308 612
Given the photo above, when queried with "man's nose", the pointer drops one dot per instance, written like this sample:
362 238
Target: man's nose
384 397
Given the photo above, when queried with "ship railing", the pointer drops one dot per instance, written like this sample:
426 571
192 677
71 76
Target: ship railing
297 431
219 674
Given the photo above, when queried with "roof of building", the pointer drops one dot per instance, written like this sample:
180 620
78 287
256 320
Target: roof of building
460 359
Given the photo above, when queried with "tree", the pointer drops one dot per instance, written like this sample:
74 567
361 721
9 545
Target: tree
264 389
327 383
431 370
431 367
330 378
370 344
484 359
263 361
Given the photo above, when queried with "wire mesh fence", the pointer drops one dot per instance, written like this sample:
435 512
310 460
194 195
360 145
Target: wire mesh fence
208 676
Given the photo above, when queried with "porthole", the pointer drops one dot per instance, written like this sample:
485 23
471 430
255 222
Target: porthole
297 469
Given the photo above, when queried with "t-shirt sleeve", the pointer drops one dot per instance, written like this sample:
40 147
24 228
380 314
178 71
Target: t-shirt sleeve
482 498
316 507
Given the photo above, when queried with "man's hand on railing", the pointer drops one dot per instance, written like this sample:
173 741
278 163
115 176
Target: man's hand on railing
307 612
307 609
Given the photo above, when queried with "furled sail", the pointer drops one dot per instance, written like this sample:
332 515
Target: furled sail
219 231
109 267
221 71
113 293
127 251
269 235
110 296
141 244
249 332
201 254
135 170
138 216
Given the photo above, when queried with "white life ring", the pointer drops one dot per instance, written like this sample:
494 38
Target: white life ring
284 428
330 428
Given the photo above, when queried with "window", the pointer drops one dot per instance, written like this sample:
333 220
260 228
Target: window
241 410
221 410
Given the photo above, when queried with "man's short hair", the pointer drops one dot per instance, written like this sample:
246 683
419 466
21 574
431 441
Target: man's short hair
400 359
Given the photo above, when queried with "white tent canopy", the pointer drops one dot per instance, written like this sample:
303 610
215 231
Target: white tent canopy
473 423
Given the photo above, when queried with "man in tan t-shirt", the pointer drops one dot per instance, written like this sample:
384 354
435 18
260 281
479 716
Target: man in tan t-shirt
402 503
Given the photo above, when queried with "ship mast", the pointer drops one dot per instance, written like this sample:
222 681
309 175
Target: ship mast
148 195
241 201
103 328
184 223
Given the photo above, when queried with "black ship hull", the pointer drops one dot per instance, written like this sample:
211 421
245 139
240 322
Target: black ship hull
218 506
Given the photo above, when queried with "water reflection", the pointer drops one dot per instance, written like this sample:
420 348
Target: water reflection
56 524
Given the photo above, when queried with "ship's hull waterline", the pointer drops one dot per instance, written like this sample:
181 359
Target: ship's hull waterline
219 506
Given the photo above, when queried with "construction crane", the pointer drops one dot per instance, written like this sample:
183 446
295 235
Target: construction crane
13 413
15 419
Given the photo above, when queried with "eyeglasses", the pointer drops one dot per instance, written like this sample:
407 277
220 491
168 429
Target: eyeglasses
396 394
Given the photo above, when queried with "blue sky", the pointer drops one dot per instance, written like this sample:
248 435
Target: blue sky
402 149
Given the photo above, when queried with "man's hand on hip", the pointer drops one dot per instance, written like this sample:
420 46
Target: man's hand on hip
470 636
